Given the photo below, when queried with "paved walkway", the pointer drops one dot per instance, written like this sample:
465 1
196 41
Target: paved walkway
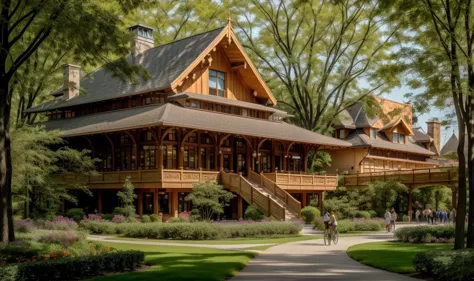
311 260
154 243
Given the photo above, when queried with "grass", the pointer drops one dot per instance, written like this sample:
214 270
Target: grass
232 241
391 256
168 263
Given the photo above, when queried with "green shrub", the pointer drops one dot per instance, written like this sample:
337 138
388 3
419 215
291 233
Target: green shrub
373 214
345 226
369 225
76 214
446 265
107 217
146 219
155 218
95 227
177 231
363 214
252 213
259 229
405 218
309 214
425 234
73 268
176 220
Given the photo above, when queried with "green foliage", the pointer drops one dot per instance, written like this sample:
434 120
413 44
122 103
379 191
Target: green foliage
386 193
74 268
76 214
446 265
437 197
346 202
146 219
363 214
252 213
210 199
309 214
345 226
127 198
155 218
34 162
192 231
176 220
426 234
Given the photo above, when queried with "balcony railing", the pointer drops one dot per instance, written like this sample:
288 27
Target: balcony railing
307 182
415 176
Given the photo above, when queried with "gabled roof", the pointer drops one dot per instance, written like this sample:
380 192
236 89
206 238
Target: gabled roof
358 138
420 136
164 64
398 121
354 117
172 115
451 146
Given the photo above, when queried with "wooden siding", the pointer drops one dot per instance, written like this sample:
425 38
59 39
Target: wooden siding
236 88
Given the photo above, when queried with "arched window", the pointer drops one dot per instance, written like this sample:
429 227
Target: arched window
148 150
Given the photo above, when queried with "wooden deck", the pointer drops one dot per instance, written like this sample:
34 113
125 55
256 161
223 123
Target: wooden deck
303 182
413 178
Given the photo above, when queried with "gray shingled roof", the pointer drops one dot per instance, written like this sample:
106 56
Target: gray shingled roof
173 115
359 138
451 146
420 136
226 101
164 64
355 117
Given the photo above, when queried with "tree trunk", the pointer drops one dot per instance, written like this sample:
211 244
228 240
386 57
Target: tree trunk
470 164
461 210
6 210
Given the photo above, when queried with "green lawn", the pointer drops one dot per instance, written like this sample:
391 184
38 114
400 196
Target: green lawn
182 263
233 241
391 256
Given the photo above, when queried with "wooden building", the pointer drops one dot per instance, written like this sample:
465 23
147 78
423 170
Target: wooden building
204 115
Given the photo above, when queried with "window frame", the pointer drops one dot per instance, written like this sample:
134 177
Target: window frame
213 73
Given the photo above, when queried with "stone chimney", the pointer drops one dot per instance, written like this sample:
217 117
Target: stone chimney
72 80
434 131
143 38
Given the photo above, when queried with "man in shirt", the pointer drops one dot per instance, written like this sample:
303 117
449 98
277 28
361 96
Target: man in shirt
326 219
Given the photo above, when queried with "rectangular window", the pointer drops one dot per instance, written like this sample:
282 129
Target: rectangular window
373 133
163 199
216 83
342 134
395 137
402 138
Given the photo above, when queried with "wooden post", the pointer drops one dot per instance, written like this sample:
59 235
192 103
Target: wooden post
409 205
321 195
140 201
303 204
174 208
240 207
99 201
156 202
273 155
248 156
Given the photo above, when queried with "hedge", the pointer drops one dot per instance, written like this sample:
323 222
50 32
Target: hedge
345 226
446 265
309 214
73 268
193 231
426 234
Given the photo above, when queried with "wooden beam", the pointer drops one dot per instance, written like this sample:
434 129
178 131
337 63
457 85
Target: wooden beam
237 65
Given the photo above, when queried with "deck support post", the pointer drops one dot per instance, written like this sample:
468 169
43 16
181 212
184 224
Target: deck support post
99 201
140 201
303 200
240 207
409 204
155 201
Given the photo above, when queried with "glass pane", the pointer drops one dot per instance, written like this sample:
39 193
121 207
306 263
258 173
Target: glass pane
221 93
212 82
221 84
212 91
220 75
212 73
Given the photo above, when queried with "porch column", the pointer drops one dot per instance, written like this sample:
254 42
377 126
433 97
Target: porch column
140 201
321 196
221 159
240 207
155 201
303 203
99 201
273 155
454 197
159 154
180 156
248 156
305 162
174 204
409 204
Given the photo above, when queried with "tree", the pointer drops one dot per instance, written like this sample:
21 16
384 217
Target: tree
319 57
127 198
438 50
345 202
386 193
210 199
89 31
35 162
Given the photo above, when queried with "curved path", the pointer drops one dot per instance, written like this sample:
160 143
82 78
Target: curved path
312 260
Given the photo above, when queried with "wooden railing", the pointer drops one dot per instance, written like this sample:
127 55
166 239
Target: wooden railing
415 176
189 176
299 181
240 185
291 203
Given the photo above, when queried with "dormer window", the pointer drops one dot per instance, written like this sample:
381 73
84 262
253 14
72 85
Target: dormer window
342 134
216 83
401 138
373 133
398 138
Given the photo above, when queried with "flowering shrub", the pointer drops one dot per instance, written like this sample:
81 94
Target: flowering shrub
344 226
24 226
118 219
92 217
184 215
426 234
63 238
60 223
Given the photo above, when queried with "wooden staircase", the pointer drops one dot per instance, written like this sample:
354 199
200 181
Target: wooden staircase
291 205
254 194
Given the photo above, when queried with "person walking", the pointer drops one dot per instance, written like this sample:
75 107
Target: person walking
388 218
393 219
417 216
431 216
452 216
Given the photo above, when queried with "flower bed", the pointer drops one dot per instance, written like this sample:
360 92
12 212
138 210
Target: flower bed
192 231
345 226
426 234
73 268
446 265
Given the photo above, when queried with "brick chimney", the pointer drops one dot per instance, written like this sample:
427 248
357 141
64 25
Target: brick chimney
434 131
72 80
143 38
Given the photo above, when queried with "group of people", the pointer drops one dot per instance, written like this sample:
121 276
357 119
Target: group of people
390 219
434 217
330 220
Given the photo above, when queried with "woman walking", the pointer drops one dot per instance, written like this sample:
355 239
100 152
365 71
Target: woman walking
388 218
